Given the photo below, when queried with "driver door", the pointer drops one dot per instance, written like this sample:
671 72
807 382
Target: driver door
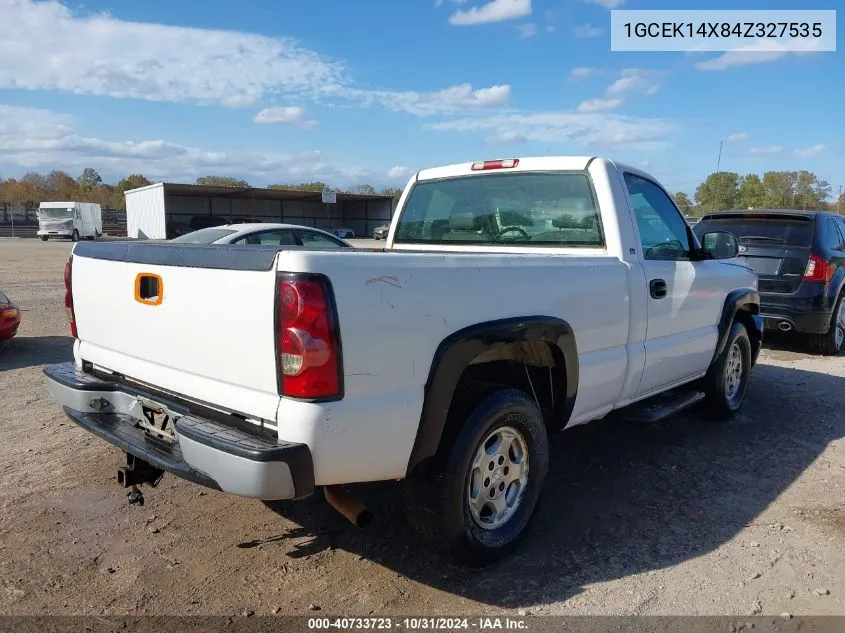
684 297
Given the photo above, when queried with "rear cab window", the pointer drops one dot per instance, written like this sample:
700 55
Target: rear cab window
550 209
273 238
785 230
203 236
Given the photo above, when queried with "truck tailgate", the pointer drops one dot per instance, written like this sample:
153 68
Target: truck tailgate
211 336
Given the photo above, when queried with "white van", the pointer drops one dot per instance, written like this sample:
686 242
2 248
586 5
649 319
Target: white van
75 220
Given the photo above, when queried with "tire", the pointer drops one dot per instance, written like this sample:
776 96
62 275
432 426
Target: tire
725 389
43 238
438 499
831 342
75 236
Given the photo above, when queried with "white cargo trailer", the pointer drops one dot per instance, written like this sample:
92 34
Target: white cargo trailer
74 220
145 218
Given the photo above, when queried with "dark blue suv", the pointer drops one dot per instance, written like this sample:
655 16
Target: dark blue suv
799 258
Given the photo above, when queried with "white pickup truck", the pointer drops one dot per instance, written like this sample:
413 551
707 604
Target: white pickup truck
514 298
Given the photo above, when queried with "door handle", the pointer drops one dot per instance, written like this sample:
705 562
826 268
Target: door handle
657 288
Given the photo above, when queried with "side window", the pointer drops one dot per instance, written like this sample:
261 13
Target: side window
317 240
840 227
273 238
663 230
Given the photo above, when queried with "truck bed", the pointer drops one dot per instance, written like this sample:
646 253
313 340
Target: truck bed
212 337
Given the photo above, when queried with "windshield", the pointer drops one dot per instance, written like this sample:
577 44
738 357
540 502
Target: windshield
203 236
785 231
530 208
55 214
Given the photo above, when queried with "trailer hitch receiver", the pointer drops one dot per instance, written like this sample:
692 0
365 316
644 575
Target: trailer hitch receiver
135 473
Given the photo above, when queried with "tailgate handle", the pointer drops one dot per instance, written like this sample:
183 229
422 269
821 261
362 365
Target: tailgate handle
149 289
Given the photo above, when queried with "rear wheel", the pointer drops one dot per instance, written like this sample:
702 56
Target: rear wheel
831 342
727 379
43 238
479 502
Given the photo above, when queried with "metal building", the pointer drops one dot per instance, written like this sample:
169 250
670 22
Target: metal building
166 210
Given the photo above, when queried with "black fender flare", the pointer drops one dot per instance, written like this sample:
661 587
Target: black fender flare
739 300
455 353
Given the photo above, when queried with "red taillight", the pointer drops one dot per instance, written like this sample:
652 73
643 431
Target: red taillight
495 164
818 270
308 341
69 297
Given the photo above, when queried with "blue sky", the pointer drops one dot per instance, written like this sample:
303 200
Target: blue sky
372 90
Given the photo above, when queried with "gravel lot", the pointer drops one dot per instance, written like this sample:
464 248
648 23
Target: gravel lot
686 517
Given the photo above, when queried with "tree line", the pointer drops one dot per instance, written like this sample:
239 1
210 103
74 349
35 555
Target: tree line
725 190
720 190
34 188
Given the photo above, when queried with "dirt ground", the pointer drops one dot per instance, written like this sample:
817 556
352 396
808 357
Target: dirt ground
686 517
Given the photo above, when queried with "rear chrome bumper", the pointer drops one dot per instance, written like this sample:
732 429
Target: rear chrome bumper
204 451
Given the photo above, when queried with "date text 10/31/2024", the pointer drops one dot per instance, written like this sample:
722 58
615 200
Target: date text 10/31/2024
419 624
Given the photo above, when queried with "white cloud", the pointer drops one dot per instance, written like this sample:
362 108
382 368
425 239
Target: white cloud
32 138
506 138
737 137
752 54
607 4
567 128
527 30
285 114
813 150
586 30
400 171
581 72
770 150
738 58
598 105
448 100
635 80
492 11
104 56
101 55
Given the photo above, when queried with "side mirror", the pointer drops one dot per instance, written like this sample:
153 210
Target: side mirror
719 245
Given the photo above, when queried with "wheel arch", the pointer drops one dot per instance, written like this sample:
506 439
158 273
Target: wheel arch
458 351
743 305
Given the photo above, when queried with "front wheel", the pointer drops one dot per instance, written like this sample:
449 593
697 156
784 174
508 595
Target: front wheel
75 236
43 238
478 504
727 379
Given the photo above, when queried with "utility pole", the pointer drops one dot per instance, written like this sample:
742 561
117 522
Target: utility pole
719 160
718 165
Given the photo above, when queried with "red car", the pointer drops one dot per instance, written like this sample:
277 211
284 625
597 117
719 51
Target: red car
10 318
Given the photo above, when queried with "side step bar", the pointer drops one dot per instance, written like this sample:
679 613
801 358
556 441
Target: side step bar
660 407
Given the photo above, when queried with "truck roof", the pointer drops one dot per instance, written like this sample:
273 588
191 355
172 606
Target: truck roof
528 163
63 204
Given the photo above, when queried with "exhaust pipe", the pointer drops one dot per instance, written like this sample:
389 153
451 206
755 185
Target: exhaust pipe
350 507
784 326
